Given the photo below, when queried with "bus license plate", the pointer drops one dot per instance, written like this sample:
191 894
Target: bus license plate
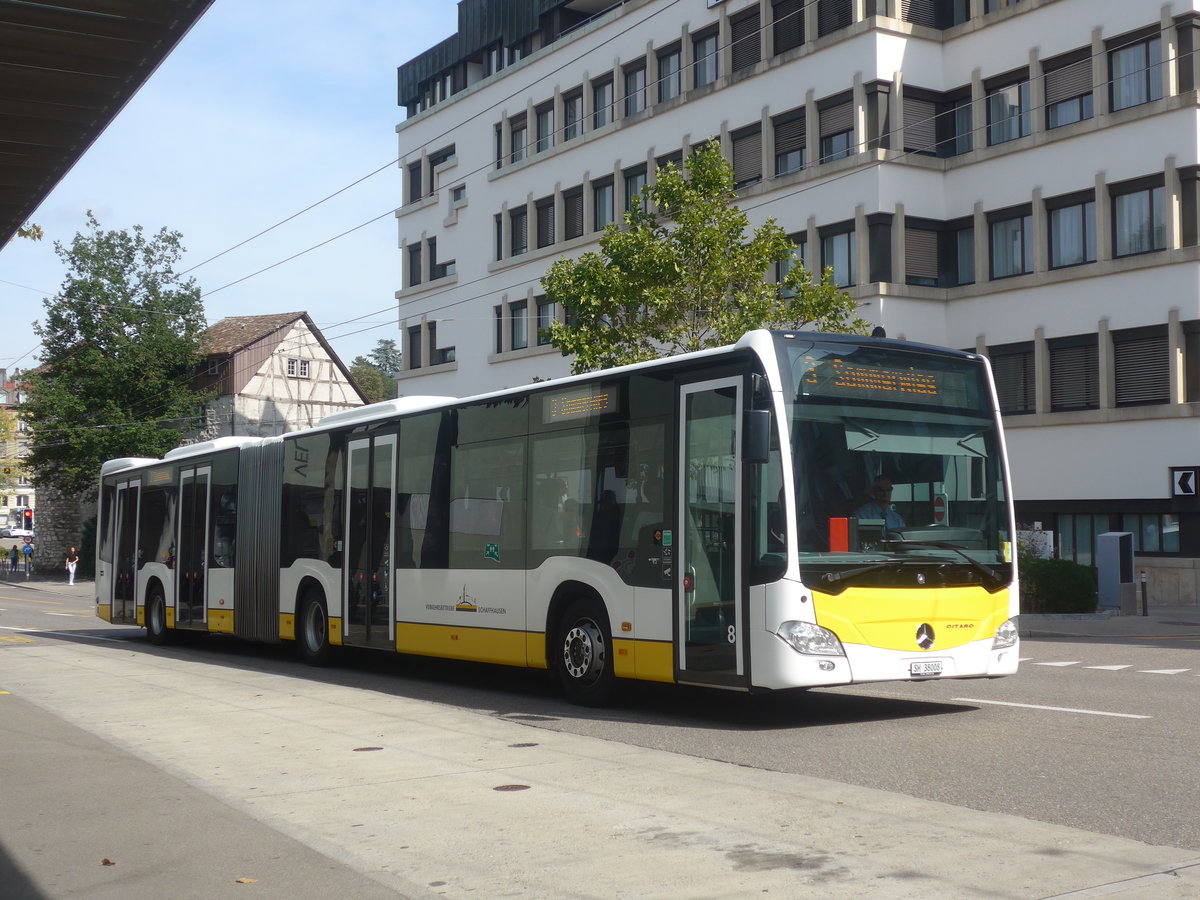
925 668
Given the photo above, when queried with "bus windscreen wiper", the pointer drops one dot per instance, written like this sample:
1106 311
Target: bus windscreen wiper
832 578
990 576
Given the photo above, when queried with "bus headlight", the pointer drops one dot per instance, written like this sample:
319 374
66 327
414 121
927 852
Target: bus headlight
810 639
1006 635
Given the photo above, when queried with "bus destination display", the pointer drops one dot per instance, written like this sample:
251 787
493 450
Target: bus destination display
836 377
582 403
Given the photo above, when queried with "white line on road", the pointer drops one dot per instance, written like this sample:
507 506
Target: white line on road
1109 668
1086 712
68 615
1161 671
17 628
1061 664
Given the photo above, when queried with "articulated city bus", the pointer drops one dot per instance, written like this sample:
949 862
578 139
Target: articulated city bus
794 510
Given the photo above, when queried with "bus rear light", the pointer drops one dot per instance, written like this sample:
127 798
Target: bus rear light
810 639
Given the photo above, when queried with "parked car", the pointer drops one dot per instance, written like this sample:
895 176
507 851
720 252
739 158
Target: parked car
19 533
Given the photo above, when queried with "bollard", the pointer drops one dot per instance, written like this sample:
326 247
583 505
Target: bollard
1145 605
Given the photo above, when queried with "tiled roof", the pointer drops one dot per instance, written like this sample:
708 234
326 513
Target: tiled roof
235 332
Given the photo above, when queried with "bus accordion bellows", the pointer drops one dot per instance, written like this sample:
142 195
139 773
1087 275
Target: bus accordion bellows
794 510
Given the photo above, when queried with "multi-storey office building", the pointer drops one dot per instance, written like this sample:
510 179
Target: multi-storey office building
1019 177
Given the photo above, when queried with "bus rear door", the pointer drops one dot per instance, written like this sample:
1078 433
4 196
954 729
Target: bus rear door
191 600
124 525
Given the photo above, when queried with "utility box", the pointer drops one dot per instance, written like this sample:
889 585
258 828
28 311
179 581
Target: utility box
1114 564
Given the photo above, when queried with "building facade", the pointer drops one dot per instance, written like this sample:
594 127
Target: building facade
272 374
1016 177
18 498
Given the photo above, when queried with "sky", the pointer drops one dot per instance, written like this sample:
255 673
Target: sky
264 108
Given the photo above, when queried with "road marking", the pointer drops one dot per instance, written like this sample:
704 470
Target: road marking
1086 712
68 615
17 628
1061 664
14 639
1109 668
1161 671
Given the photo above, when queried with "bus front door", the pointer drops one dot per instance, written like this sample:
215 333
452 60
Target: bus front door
124 523
370 512
191 563
710 642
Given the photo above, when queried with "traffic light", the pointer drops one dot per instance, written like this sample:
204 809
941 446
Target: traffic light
27 518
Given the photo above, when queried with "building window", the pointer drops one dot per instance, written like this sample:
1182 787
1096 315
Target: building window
833 14
436 159
602 204
1077 536
498 224
635 186
745 41
921 256
798 256
547 312
1139 225
1152 532
788 24
791 153
837 131
572 115
518 325
545 222
838 254
1069 90
437 355
1008 113
960 252
412 355
1016 387
414 264
635 89
516 143
545 128
1135 70
415 182
955 126
1141 364
439 269
22 501
669 84
602 103
498 318
993 5
1074 374
519 223
1072 232
704 52
747 156
1012 244
573 213
298 368
920 123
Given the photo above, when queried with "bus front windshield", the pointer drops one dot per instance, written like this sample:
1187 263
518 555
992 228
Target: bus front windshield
898 467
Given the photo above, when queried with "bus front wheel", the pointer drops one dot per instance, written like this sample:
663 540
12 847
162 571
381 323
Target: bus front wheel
156 617
583 654
314 631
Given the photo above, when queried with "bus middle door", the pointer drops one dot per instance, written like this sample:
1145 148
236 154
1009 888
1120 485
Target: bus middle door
191 565
124 519
710 609
370 512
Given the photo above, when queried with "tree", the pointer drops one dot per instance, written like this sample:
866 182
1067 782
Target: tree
120 347
30 230
374 383
376 373
11 466
687 277
386 358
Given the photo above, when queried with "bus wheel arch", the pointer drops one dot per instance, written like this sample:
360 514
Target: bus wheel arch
580 649
156 613
312 624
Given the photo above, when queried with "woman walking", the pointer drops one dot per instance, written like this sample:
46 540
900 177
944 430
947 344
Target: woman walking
72 562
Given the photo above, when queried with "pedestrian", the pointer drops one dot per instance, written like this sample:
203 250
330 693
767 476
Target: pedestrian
72 562
28 551
12 559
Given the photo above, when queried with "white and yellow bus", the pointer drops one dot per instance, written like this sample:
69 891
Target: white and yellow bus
704 519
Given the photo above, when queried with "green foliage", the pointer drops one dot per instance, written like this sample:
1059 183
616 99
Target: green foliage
30 231
1057 586
386 358
120 346
11 465
375 384
686 277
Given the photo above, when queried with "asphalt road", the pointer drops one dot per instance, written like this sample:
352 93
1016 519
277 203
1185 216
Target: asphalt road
1098 735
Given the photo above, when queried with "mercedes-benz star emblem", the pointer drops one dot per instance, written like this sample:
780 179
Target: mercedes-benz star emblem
925 636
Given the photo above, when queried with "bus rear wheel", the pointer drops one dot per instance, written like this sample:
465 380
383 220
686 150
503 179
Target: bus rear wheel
156 617
314 631
583 654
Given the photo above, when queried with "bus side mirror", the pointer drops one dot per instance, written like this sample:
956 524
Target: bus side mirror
756 435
